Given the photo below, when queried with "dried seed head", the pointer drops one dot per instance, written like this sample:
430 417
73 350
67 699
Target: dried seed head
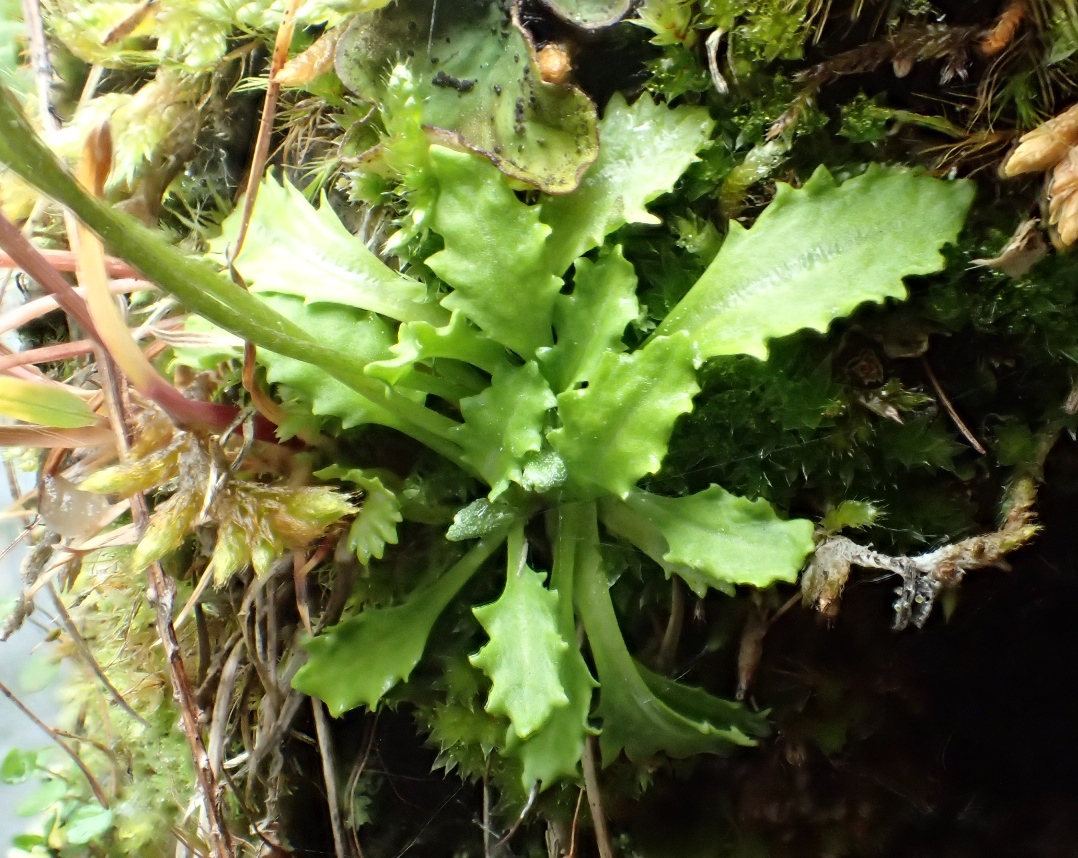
1045 145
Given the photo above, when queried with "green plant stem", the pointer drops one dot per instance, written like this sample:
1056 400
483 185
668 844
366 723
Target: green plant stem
200 288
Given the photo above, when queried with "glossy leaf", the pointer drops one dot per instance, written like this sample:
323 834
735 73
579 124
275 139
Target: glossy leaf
818 252
505 423
591 321
524 655
355 662
590 14
421 342
712 538
493 255
292 248
645 149
44 404
553 752
616 430
478 84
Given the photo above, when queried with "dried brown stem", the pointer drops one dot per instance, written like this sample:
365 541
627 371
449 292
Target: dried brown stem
950 409
595 800
87 654
329 775
64 260
95 787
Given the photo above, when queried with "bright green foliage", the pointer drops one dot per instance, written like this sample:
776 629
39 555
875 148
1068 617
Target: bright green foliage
493 257
504 424
616 430
590 13
524 656
366 336
553 752
385 644
592 320
375 525
478 85
420 342
641 720
850 513
646 147
292 248
713 538
818 252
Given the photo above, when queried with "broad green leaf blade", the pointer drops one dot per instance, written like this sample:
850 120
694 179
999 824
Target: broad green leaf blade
422 342
638 719
44 404
292 248
524 655
365 336
592 320
478 84
616 430
644 149
713 538
375 525
553 752
505 423
493 257
590 14
355 662
818 252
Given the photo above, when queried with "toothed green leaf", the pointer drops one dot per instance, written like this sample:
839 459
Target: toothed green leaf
592 320
818 252
553 752
644 150
616 430
524 655
375 525
493 257
292 248
505 423
712 538
355 662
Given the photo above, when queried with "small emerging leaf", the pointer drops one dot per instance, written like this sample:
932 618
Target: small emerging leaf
376 522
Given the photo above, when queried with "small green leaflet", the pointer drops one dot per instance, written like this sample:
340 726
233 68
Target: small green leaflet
375 524
713 538
355 662
44 404
592 320
644 148
616 430
525 652
292 248
817 253
494 253
505 423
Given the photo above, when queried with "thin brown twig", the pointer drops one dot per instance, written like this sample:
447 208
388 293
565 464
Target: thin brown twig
87 654
329 775
595 800
576 822
950 409
95 787
64 260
